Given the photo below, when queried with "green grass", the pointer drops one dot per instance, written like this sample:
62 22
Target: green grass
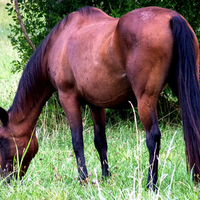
53 172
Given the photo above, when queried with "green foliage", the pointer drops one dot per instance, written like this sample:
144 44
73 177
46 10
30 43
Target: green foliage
40 16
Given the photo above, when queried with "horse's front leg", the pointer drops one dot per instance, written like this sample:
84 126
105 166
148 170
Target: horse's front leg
71 107
98 116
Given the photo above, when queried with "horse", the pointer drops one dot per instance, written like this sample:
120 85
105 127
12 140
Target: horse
105 62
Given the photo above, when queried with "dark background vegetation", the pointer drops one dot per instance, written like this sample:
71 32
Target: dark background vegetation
40 16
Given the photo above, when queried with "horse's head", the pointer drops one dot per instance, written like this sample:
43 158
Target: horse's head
17 148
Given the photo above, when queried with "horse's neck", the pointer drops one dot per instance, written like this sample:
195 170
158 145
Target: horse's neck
33 91
26 118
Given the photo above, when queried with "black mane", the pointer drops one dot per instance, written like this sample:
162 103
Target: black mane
34 77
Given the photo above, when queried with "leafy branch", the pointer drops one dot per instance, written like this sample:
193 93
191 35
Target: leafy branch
22 26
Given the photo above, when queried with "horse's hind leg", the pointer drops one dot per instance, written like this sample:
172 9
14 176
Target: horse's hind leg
98 116
148 116
71 107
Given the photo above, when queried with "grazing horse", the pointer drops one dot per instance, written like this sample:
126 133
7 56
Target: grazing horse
92 58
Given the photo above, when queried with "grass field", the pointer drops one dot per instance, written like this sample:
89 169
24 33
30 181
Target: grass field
53 172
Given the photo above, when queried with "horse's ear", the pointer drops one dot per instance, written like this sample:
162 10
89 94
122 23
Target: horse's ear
3 116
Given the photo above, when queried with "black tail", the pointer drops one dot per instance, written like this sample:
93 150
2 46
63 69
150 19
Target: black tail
188 90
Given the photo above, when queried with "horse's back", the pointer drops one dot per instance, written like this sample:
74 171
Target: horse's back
103 58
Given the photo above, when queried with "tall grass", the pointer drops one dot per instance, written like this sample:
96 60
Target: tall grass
53 172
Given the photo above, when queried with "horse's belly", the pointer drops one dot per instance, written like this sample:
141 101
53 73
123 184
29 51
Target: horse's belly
107 93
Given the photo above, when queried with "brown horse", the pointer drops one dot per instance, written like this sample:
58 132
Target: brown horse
92 58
